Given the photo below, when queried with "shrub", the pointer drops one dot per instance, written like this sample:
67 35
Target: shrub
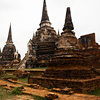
38 98
17 91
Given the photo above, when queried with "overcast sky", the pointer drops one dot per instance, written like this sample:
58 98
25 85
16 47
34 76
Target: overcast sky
25 17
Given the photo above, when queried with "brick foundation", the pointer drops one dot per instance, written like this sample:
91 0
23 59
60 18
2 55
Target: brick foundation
69 73
79 86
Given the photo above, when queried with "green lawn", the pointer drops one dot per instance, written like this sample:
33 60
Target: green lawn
38 98
95 92
9 94
5 94
38 68
8 75
23 80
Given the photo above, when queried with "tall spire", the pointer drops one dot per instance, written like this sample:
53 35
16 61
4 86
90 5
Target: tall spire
9 39
0 50
45 18
58 33
68 20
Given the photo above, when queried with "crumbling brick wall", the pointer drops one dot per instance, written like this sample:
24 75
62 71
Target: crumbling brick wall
87 41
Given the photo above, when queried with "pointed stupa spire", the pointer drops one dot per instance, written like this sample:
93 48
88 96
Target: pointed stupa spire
0 50
9 39
58 33
45 18
68 20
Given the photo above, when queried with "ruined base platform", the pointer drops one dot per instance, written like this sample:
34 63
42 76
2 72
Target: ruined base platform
78 86
69 73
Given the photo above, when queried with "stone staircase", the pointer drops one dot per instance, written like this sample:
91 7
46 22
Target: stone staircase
23 61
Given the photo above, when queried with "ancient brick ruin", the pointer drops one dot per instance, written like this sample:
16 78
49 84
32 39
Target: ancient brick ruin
46 43
72 63
9 57
87 41
42 46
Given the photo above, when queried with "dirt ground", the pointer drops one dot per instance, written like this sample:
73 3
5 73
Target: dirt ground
22 97
30 92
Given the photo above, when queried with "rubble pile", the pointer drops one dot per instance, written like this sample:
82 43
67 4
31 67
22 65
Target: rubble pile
2 72
63 91
21 74
51 96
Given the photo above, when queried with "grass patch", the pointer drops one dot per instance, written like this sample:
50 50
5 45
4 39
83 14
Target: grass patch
23 80
16 91
95 92
41 68
4 94
38 97
8 75
38 68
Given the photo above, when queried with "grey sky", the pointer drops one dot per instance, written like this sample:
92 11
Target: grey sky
25 17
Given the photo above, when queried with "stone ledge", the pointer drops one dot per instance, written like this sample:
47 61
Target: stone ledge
79 86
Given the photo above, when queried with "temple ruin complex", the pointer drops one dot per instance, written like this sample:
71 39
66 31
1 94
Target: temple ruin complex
74 62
